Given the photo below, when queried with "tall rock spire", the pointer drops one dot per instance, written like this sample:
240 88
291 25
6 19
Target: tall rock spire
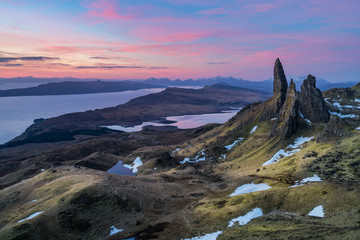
312 104
280 84
288 120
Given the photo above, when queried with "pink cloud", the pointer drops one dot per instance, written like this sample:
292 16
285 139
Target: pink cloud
105 9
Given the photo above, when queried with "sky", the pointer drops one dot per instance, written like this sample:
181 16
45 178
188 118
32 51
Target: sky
138 39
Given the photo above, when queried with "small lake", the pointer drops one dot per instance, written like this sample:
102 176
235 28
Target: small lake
184 121
18 113
119 169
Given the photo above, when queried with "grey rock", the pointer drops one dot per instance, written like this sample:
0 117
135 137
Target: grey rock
288 121
311 102
280 83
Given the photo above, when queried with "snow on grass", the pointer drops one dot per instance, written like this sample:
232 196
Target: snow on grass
326 100
253 130
32 201
300 141
296 147
242 220
249 188
336 104
134 166
186 160
343 116
42 169
317 212
114 230
314 178
279 155
358 128
273 119
230 146
199 158
209 236
357 100
306 120
176 150
30 217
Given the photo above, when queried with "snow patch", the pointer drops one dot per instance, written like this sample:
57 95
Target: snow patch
42 169
249 188
344 116
306 120
253 130
199 158
242 220
301 114
326 100
317 212
185 160
273 119
209 236
296 146
30 217
114 230
134 166
357 100
336 104
176 150
230 146
358 128
314 178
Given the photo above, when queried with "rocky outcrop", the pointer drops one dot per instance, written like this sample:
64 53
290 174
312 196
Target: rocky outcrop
288 120
311 102
280 84
335 128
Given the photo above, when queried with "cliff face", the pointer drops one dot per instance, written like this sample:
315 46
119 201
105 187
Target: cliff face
312 104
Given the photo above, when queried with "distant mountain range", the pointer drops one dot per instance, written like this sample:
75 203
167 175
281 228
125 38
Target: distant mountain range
63 86
266 85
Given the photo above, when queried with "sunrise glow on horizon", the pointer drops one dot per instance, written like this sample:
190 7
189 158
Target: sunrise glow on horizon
183 39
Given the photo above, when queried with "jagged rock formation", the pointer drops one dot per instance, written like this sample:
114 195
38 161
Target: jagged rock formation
280 84
288 120
311 102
